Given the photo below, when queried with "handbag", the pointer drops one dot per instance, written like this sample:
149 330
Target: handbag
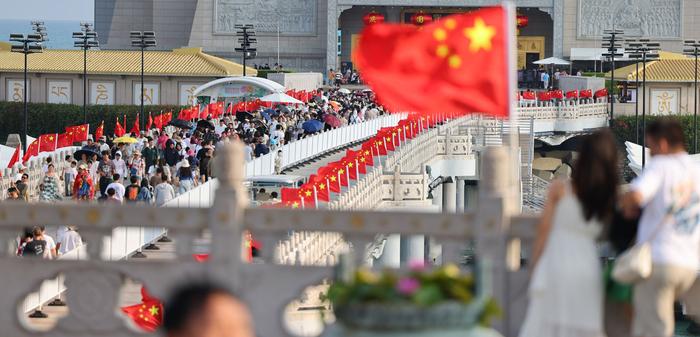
634 265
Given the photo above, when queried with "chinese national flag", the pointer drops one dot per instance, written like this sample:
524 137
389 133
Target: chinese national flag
331 174
65 139
359 158
204 113
150 122
461 60
47 143
366 157
136 129
158 121
147 315
168 117
15 157
79 132
378 144
349 163
320 182
340 171
32 150
100 131
306 194
184 114
118 130
387 138
290 197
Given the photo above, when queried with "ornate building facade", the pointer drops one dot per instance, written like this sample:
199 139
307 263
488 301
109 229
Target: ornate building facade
319 34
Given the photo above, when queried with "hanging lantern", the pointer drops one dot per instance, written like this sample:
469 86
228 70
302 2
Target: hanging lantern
522 20
372 18
421 18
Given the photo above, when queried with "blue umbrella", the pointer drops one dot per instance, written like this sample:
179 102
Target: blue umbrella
312 125
266 114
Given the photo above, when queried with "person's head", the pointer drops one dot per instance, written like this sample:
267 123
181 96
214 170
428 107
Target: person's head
37 233
12 193
262 190
118 155
595 175
134 180
206 310
25 178
50 168
68 158
273 195
116 177
105 155
111 192
73 164
144 182
665 136
49 160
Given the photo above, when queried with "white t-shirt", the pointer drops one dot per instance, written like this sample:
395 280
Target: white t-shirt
50 244
118 189
670 189
70 240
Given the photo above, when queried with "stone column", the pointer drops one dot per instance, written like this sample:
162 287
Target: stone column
557 14
449 194
460 195
412 249
393 14
391 257
334 11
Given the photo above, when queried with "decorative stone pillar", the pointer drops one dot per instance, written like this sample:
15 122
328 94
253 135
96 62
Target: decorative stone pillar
391 257
449 194
334 11
460 195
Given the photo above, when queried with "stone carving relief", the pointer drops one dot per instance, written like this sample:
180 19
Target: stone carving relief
648 18
292 16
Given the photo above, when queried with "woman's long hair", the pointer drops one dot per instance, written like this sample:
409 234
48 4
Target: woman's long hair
595 175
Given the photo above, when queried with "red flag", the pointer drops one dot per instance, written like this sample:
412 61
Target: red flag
32 150
341 172
368 153
158 121
118 130
306 193
204 113
330 173
321 184
349 162
148 315
79 132
184 114
47 143
15 157
125 124
435 58
65 139
150 122
168 117
200 257
100 131
290 197
136 128
359 158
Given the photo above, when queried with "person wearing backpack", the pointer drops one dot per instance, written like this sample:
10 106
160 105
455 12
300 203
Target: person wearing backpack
132 191
145 193
83 188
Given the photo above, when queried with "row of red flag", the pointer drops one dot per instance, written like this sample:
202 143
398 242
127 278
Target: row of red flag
558 94
332 177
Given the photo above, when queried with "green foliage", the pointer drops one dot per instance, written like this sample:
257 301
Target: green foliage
624 128
48 118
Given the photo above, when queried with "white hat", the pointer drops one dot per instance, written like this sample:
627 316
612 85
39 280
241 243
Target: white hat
118 153
185 163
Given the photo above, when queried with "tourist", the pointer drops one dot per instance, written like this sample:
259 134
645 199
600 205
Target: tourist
566 288
68 176
203 309
45 168
13 193
137 166
23 187
145 193
83 187
116 184
185 177
262 195
112 197
204 167
163 192
50 185
149 154
132 191
35 245
50 251
68 240
120 166
20 172
278 162
668 190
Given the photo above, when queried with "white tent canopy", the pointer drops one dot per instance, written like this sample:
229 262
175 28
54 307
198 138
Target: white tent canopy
552 60
279 97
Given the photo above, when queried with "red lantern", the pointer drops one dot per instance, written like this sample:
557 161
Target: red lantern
522 20
421 18
372 18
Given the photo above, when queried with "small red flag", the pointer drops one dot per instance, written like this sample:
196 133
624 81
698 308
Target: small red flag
147 315
150 122
290 197
118 129
32 150
461 60
321 185
47 143
331 173
306 193
100 131
79 132
65 139
200 257
135 129
15 157
158 121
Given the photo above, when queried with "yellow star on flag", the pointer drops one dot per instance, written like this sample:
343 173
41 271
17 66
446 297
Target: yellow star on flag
332 178
350 165
322 186
341 171
153 310
295 205
480 35
366 153
362 159
307 193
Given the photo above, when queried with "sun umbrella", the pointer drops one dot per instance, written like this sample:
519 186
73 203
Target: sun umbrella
335 105
266 114
180 123
344 91
86 151
279 97
312 125
552 60
125 140
242 115
368 90
205 124
332 120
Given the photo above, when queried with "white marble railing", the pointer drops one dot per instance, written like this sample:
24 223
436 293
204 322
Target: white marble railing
93 285
567 118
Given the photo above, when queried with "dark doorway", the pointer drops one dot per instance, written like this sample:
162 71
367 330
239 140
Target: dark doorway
531 57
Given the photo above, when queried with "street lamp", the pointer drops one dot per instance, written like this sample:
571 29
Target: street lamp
647 51
39 29
693 49
611 39
85 39
636 57
142 40
29 44
246 37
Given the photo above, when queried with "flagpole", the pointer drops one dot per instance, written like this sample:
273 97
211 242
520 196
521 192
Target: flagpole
511 57
328 187
315 197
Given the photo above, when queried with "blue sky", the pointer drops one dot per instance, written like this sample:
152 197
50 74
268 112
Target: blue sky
74 10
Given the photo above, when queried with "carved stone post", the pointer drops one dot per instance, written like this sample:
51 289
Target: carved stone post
460 195
226 214
496 204
397 183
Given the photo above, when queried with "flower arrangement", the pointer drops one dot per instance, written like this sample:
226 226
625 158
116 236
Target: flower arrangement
439 298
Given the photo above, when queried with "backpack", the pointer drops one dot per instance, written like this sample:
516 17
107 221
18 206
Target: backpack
132 192
84 190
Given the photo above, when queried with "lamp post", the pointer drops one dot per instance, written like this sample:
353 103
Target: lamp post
611 39
693 49
647 51
142 40
29 44
631 48
85 39
246 37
